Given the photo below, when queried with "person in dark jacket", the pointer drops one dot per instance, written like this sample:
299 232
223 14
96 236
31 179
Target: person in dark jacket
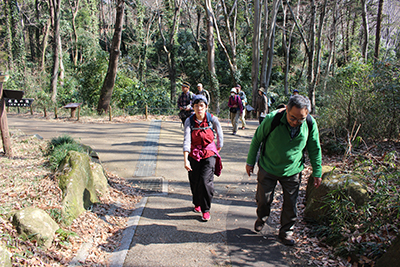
261 106
201 155
185 102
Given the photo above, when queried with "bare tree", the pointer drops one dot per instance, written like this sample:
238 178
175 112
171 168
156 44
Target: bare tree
109 81
168 45
215 94
55 4
364 49
255 68
378 29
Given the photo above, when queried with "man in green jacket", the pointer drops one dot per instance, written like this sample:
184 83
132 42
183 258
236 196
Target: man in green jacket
282 160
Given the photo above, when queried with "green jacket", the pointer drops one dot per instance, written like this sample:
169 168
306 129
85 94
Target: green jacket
283 156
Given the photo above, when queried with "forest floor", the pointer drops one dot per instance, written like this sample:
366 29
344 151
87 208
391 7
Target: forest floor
25 181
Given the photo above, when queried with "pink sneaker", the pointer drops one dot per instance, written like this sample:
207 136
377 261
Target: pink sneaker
206 216
197 209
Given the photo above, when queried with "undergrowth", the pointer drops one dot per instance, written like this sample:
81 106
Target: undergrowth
363 233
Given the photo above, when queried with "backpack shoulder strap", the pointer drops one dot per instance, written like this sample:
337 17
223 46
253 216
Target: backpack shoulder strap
191 118
309 123
208 120
275 122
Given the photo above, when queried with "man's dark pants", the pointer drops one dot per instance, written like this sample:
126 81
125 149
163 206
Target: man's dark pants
265 195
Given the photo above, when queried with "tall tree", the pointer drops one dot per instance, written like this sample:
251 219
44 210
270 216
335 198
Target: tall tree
269 43
109 81
364 48
378 29
55 7
215 94
255 68
169 44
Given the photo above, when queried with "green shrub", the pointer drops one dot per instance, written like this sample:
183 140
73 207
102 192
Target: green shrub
58 148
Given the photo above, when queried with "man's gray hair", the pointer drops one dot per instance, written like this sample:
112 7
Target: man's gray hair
300 102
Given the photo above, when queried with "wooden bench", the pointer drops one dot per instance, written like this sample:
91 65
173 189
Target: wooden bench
73 107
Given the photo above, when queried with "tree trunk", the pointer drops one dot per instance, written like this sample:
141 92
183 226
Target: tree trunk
109 81
272 28
319 37
310 55
256 49
215 94
266 42
378 30
75 9
56 64
364 50
46 33
287 44
331 39
8 38
5 135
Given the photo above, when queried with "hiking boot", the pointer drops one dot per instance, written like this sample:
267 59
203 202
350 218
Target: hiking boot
197 209
206 216
258 225
287 240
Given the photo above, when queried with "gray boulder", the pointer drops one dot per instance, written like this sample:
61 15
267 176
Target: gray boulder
392 255
81 182
5 257
333 179
35 224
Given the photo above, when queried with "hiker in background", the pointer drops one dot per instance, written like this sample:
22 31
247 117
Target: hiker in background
201 155
261 105
285 136
235 109
202 91
185 102
295 92
243 97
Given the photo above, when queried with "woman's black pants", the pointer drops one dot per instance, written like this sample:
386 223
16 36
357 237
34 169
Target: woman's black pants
201 180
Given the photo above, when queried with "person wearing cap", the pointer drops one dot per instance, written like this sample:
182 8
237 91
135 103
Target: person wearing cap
201 154
243 97
202 91
235 109
295 92
185 102
261 106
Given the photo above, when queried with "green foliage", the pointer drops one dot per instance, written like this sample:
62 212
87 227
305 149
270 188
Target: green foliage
363 94
360 230
90 77
64 236
58 148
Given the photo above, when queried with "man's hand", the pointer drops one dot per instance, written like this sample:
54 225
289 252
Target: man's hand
249 169
317 181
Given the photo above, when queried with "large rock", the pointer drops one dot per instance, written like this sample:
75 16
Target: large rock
35 224
81 182
392 255
332 179
5 257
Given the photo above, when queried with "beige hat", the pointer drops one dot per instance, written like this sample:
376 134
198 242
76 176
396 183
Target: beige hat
233 90
261 89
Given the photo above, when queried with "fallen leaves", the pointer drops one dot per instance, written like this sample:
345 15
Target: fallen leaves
26 182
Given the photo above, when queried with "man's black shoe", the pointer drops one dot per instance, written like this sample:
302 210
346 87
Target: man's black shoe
287 240
258 225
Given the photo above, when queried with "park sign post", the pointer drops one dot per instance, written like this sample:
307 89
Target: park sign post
5 135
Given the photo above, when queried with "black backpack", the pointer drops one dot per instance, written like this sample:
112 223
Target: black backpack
277 120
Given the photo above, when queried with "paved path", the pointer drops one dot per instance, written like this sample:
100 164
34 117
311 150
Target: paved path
166 231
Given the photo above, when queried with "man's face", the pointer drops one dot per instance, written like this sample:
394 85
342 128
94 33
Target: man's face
200 88
296 116
185 89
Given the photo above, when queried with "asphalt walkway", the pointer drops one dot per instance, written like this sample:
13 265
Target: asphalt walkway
164 231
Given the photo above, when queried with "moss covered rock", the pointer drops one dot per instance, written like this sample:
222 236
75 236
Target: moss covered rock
81 182
35 224
332 179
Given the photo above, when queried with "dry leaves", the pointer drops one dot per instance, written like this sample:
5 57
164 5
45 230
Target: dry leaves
25 181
